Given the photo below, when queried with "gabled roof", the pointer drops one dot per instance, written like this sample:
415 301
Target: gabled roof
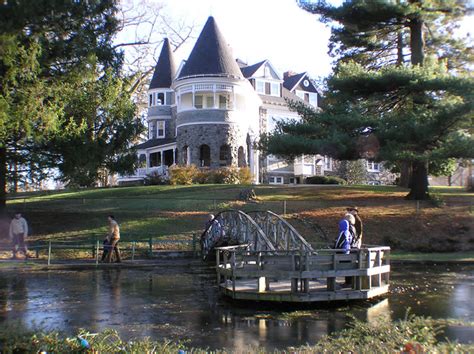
281 101
291 82
248 71
165 68
211 55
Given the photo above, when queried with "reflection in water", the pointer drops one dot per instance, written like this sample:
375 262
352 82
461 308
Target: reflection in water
179 301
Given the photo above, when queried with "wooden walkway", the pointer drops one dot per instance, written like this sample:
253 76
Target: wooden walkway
296 276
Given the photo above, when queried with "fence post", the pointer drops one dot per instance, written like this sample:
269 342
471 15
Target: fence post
49 253
151 246
133 250
194 245
284 207
97 252
417 206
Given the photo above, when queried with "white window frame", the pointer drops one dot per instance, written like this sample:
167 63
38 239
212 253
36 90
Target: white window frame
260 86
274 89
327 163
160 123
373 166
276 180
152 129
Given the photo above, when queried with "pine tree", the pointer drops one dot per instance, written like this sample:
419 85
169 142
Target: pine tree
51 52
382 109
354 172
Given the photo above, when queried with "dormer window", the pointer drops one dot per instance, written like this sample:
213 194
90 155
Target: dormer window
260 87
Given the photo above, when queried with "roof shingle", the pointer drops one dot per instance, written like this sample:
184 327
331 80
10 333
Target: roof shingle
165 68
211 55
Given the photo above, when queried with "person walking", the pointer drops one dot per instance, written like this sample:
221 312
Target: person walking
18 233
113 238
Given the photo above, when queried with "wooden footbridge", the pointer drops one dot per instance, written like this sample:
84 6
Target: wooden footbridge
261 257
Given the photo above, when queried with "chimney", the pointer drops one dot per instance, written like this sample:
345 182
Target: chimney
288 74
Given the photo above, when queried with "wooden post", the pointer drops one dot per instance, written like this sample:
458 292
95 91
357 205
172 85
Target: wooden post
232 264
218 260
284 207
194 245
133 250
150 243
97 252
49 253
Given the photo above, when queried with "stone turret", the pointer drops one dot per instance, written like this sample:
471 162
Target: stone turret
216 105
161 96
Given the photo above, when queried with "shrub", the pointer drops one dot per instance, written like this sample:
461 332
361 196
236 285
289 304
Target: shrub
353 172
155 178
183 174
204 176
245 176
224 175
324 180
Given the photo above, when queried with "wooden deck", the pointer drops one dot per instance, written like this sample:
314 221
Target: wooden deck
298 276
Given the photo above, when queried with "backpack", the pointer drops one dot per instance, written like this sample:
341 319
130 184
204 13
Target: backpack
341 239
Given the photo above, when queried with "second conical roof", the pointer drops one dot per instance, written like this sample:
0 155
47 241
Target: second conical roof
211 55
165 68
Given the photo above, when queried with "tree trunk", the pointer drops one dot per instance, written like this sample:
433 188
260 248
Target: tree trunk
3 179
405 174
419 186
417 42
400 48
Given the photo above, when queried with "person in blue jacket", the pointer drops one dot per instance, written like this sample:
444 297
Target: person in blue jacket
346 233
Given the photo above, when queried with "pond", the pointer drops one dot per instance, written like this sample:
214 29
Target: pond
178 300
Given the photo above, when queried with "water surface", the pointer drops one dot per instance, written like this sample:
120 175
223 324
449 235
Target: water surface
178 300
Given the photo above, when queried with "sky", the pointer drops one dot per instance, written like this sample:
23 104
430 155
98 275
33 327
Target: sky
278 30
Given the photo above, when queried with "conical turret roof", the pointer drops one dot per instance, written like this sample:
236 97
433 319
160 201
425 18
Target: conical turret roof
211 55
165 68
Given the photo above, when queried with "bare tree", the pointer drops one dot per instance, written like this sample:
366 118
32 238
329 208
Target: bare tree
144 25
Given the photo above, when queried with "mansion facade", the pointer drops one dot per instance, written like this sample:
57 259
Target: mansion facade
211 110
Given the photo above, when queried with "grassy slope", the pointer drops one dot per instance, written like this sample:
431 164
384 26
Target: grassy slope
313 210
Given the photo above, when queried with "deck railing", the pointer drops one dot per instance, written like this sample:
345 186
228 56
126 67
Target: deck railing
313 276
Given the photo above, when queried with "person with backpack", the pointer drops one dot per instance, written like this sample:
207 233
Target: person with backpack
346 233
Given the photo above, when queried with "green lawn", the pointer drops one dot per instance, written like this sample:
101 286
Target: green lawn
433 257
180 211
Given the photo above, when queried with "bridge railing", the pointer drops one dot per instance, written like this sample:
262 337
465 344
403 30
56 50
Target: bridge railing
368 268
282 234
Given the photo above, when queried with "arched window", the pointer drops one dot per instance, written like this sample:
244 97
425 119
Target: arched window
241 157
185 155
225 156
205 155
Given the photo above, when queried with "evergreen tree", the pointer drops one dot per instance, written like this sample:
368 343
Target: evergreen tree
386 111
354 172
108 118
54 54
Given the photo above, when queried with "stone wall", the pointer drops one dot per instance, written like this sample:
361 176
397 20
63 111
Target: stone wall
213 135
